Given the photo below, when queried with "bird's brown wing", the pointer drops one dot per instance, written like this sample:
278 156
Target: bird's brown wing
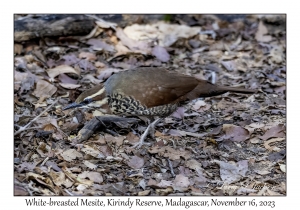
151 86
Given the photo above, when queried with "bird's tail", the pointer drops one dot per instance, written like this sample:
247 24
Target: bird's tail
207 89
235 89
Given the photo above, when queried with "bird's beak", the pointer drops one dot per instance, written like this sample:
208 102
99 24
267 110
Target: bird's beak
72 105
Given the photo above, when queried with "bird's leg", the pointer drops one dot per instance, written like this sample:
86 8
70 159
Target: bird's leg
150 129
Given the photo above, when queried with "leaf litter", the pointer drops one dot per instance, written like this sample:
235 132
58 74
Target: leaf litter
205 147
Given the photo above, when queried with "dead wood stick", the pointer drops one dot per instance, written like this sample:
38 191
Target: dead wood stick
101 121
37 117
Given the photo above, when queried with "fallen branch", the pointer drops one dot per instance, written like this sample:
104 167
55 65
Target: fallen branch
37 117
101 121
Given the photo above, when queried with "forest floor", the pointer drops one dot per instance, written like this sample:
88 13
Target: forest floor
232 144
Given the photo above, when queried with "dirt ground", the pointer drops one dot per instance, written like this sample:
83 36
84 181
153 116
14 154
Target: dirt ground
232 144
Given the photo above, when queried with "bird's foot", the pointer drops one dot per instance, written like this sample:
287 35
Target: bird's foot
149 129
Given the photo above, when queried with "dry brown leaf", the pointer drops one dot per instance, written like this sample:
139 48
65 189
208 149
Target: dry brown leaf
270 148
91 151
179 113
65 79
118 140
106 150
95 177
99 64
152 182
194 164
245 191
200 180
224 104
90 165
18 48
46 181
255 140
261 33
105 73
47 123
164 192
132 138
133 45
92 79
81 187
237 133
282 168
76 178
62 69
275 131
143 193
254 126
181 182
19 78
105 24
58 178
170 152
167 34
43 149
201 106
71 154
88 56
229 65
277 55
142 183
272 193
38 104
164 184
26 166
263 167
69 86
265 191
49 127
44 90
94 33
121 49
20 191
98 45
97 113
136 162
231 173
16 101
160 53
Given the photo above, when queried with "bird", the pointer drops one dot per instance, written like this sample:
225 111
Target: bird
148 91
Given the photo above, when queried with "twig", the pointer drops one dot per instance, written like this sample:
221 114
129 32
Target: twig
46 159
171 167
174 145
28 187
67 191
191 149
37 117
32 128
111 25
61 131
117 189
213 77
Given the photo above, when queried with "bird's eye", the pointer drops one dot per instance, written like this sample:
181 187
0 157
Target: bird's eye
86 101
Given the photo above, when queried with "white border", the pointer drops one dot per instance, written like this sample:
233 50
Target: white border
140 7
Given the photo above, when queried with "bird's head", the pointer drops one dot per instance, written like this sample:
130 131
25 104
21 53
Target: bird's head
94 97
